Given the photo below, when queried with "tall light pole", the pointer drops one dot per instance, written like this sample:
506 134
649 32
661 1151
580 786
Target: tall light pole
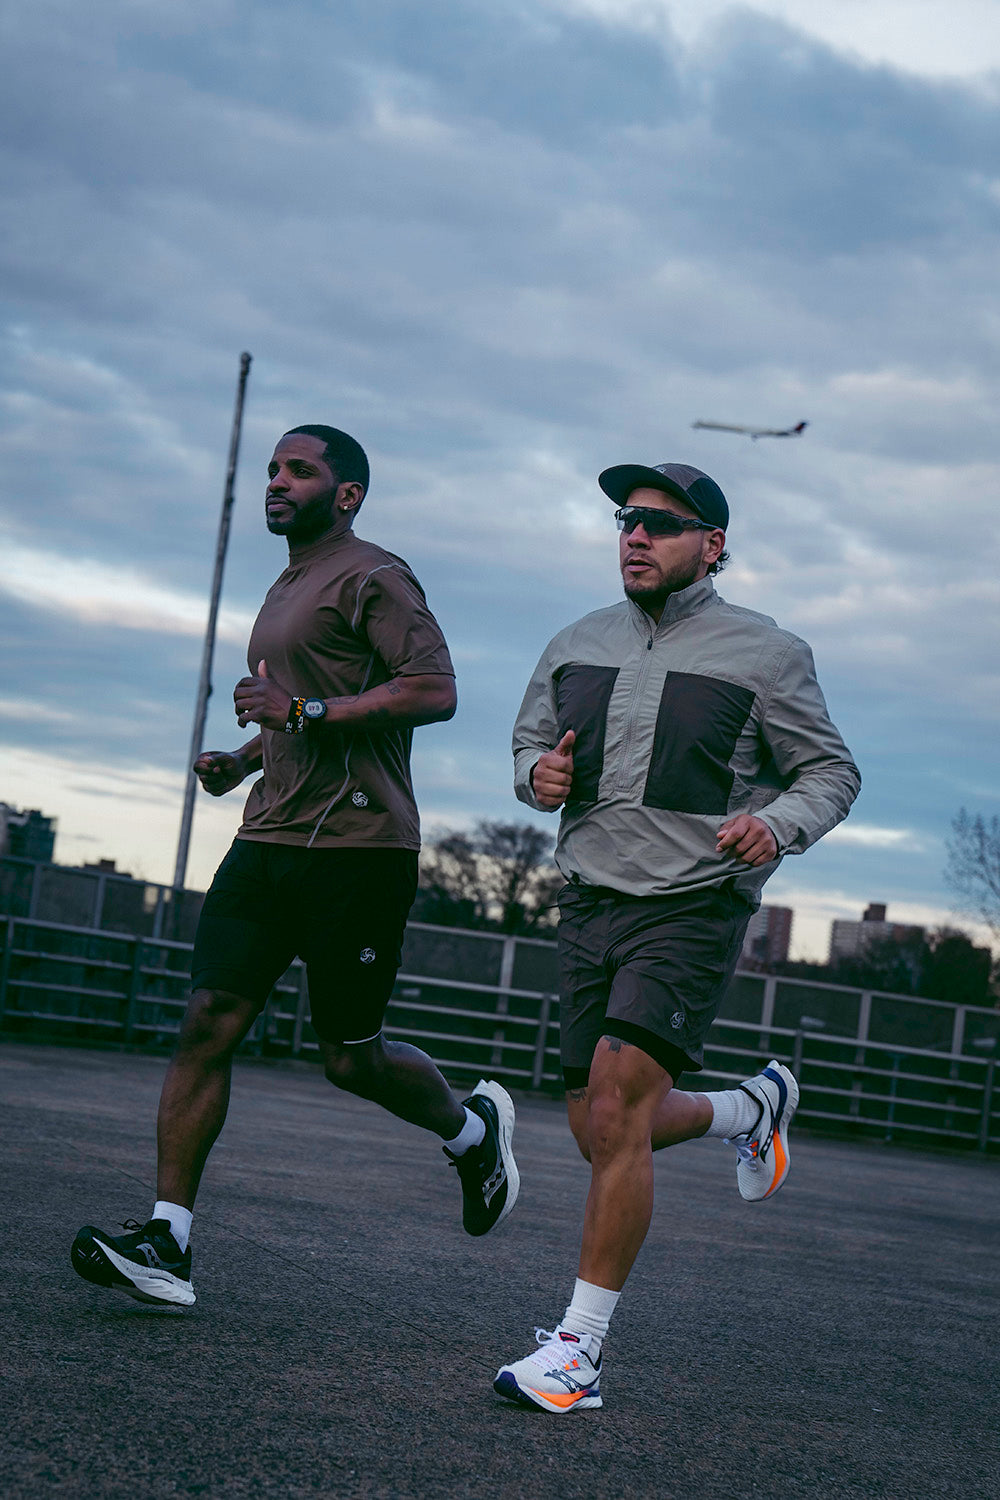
205 681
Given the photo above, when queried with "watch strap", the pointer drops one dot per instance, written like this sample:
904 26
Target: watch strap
295 723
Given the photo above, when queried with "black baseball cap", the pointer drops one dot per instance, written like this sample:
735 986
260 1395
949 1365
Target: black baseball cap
688 485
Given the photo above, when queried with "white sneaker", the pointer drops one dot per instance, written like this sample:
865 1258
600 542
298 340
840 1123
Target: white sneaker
559 1376
762 1153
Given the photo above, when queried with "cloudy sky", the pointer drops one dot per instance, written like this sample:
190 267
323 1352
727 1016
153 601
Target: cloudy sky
506 243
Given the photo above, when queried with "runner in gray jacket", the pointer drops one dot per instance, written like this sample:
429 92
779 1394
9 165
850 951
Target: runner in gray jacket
688 744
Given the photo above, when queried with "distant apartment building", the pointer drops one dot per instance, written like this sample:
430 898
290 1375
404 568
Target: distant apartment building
768 935
851 939
26 833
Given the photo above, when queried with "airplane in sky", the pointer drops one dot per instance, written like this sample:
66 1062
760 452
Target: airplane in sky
755 432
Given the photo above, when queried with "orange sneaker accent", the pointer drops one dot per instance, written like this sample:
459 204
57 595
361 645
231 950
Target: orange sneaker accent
564 1401
780 1165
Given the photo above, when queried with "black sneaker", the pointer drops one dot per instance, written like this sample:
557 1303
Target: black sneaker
147 1264
488 1172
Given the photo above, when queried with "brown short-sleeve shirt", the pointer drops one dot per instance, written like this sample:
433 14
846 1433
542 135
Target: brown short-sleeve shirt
343 617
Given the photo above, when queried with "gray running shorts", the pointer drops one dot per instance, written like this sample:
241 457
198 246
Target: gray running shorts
651 970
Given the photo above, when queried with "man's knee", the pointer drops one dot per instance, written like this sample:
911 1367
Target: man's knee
611 1127
215 1022
626 1088
620 1117
356 1069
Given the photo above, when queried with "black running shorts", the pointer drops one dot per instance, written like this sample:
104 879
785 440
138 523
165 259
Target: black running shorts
651 970
342 911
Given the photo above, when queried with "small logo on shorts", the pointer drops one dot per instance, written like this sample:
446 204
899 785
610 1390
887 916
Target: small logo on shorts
677 1020
359 799
367 955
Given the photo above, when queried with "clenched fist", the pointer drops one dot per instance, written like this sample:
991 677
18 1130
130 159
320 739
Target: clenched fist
220 770
553 773
749 839
261 700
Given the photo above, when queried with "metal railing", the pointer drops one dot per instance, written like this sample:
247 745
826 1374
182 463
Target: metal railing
462 996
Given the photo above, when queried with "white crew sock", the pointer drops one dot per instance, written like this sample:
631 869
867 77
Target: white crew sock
590 1312
179 1219
733 1113
471 1134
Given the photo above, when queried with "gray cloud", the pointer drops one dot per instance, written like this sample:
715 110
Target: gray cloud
508 246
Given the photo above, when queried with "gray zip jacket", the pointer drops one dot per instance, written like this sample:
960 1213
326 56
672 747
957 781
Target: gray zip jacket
679 725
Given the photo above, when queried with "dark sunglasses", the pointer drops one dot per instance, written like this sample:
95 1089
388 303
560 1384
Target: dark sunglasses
657 522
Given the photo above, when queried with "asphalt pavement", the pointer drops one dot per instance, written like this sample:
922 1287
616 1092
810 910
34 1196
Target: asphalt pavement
840 1340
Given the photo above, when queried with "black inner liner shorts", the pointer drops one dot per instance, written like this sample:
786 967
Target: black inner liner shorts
651 970
342 911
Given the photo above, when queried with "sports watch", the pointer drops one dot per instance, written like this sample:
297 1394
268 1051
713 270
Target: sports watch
314 708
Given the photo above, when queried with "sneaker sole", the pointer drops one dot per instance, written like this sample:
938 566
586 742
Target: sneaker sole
781 1156
506 1384
504 1106
145 1284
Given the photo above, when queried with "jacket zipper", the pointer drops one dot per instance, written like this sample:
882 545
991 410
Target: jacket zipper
621 784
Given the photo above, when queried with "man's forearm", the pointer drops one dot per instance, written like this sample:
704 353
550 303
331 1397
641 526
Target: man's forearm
401 703
252 754
818 799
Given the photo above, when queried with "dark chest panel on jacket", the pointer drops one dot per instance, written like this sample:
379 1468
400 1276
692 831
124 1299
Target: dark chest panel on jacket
699 718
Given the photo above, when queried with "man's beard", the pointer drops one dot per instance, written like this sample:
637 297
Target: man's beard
305 525
657 594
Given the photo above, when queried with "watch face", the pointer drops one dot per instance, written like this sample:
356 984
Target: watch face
314 708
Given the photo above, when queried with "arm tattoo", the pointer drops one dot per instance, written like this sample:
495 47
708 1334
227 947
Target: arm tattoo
380 714
577 1095
383 714
615 1043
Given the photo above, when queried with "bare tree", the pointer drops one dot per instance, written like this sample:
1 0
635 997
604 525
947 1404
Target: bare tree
500 876
973 868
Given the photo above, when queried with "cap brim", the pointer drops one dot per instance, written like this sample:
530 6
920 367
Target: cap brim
619 482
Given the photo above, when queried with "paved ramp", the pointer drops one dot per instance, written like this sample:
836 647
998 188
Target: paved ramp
838 1341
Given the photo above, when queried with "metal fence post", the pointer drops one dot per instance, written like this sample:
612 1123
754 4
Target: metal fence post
864 1026
503 999
538 1068
958 1031
986 1118
158 913
5 963
893 1088
797 1052
767 1011
300 1013
132 997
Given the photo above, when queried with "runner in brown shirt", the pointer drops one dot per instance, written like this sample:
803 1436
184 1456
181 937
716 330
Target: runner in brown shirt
345 660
